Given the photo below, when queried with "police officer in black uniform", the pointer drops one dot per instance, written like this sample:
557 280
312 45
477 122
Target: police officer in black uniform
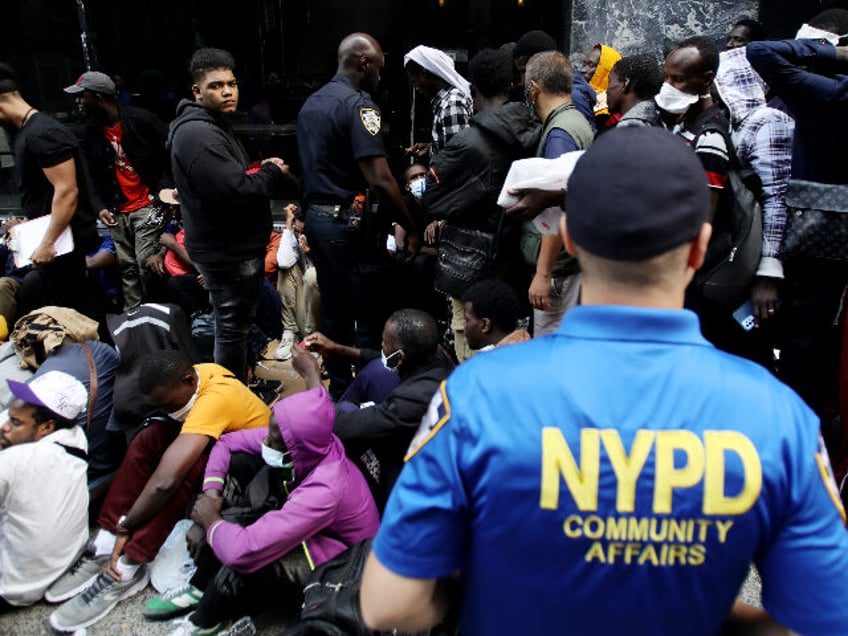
342 154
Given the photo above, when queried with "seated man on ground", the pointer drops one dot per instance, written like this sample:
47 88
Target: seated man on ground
373 382
297 283
43 493
251 550
491 316
105 448
377 436
160 472
175 279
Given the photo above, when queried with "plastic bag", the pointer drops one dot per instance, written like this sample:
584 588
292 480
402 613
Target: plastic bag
542 174
173 567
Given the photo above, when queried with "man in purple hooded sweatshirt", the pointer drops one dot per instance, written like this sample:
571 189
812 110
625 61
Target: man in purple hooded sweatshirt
326 507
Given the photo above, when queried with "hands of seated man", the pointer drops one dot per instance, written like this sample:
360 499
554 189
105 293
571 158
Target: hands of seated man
195 540
306 366
110 567
418 150
206 510
319 343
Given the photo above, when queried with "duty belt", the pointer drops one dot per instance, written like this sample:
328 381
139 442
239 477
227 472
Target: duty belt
335 211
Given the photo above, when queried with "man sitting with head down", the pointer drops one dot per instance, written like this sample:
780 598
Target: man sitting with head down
161 470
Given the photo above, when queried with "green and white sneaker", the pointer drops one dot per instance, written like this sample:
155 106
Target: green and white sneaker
173 603
78 577
97 601
242 627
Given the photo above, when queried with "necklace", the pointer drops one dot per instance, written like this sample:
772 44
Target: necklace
27 115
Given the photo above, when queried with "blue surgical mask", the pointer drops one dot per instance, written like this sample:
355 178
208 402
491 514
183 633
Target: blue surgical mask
385 358
278 459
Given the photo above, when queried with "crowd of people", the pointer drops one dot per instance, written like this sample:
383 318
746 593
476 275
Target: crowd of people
528 407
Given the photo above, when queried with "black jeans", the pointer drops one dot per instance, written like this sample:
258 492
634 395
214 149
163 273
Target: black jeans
234 291
353 277
812 316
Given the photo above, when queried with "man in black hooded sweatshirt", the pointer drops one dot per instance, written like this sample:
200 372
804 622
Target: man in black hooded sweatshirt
224 201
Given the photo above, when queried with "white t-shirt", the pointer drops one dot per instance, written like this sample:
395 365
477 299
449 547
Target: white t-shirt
43 513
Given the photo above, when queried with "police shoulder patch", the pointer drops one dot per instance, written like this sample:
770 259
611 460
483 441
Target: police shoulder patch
826 472
371 120
437 415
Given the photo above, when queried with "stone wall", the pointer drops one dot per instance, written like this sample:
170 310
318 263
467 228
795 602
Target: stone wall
651 26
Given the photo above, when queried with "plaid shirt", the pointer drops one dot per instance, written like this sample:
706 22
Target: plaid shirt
763 141
452 112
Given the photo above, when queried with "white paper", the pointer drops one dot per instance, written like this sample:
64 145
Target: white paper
27 236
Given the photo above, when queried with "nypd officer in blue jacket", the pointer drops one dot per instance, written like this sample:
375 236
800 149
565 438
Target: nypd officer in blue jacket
620 474
342 154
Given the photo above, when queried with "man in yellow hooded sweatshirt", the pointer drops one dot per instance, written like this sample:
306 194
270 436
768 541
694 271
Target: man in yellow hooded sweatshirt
597 64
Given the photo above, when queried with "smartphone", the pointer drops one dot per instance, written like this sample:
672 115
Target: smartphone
744 315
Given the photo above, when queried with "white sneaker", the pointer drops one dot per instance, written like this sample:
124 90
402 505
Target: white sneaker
283 351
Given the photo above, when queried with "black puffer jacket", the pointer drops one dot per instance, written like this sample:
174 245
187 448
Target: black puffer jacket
144 144
226 212
467 175
385 430
463 186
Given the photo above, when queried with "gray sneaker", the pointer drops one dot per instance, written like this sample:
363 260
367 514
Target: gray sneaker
78 577
97 601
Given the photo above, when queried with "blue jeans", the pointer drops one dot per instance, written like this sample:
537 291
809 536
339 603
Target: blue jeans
234 293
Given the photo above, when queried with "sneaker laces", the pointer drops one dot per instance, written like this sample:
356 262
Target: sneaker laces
77 566
101 583
174 592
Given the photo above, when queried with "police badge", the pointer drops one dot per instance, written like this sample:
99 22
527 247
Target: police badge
437 415
370 120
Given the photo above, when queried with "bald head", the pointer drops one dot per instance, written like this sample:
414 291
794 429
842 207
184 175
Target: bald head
361 59
355 46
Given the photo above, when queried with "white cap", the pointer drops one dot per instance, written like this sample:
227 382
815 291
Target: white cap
55 390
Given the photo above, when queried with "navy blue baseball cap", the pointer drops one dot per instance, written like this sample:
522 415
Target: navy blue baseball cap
638 192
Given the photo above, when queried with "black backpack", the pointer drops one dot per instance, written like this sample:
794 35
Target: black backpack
331 600
733 254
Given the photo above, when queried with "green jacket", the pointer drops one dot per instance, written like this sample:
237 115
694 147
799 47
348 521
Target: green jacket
565 117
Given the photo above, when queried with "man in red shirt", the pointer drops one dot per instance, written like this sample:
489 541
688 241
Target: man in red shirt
128 162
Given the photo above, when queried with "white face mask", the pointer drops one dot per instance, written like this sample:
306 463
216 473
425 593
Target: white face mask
385 358
417 187
673 100
278 459
807 32
181 414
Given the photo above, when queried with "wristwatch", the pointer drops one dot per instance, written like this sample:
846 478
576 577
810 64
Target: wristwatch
120 523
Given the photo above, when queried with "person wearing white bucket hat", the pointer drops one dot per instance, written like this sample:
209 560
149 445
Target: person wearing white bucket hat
432 73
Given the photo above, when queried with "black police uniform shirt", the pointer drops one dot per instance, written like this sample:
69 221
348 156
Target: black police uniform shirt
337 126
